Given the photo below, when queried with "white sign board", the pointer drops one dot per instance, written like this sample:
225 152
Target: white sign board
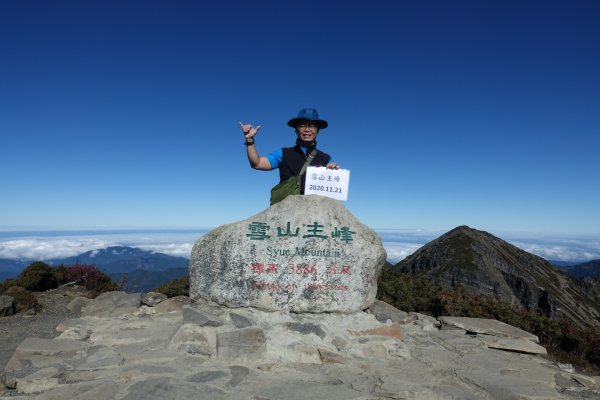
327 182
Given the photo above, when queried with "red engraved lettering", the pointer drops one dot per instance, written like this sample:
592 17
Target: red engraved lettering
258 268
271 268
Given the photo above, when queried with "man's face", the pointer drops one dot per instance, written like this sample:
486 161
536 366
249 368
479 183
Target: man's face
307 130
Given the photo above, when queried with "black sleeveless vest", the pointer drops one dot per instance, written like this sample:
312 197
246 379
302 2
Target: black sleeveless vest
293 160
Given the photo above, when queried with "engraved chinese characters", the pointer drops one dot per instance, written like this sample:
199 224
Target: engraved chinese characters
304 254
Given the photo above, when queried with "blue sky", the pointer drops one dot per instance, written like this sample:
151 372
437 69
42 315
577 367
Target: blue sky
125 113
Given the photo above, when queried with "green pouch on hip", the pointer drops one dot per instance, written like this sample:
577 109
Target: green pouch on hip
285 188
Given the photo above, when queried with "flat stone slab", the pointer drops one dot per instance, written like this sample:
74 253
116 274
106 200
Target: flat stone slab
51 347
303 254
488 326
248 344
195 315
520 345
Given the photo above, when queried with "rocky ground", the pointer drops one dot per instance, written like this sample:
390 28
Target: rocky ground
120 349
15 328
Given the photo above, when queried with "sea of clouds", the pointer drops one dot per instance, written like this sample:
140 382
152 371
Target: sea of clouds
46 245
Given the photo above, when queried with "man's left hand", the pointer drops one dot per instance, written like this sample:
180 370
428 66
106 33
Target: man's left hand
333 165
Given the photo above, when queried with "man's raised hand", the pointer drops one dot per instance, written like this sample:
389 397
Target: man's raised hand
249 130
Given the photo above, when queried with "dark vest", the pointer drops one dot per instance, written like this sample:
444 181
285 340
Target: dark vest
293 160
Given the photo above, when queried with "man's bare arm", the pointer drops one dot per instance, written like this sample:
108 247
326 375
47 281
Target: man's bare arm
256 161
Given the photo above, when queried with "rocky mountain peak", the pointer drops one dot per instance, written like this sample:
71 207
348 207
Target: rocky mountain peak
486 264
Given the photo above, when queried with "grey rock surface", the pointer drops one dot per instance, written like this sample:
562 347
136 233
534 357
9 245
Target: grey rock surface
173 304
489 326
384 311
113 304
239 321
282 356
7 306
198 316
304 254
520 345
78 303
249 343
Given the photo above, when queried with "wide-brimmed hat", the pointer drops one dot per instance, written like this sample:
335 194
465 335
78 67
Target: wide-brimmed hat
309 114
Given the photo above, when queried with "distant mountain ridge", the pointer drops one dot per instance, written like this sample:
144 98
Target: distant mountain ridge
589 269
116 259
143 269
483 263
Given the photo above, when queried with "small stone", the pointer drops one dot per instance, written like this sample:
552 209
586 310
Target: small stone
306 328
206 376
589 382
424 317
399 351
238 374
426 325
566 367
39 381
173 304
7 306
379 351
195 349
189 334
267 367
152 299
101 357
329 357
340 343
193 315
152 388
249 343
239 321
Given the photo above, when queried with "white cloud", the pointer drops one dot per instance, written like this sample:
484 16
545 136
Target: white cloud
581 249
399 251
47 248
41 247
398 243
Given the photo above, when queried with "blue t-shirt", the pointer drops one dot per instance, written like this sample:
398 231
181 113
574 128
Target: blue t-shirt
275 158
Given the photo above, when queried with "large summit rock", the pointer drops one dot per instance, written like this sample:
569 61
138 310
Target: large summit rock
304 254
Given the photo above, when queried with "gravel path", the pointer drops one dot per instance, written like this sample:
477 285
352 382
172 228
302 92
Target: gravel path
16 328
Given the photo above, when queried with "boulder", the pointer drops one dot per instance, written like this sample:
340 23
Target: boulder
78 303
384 312
112 304
303 254
7 306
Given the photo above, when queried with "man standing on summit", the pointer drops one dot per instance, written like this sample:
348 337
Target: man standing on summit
291 161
